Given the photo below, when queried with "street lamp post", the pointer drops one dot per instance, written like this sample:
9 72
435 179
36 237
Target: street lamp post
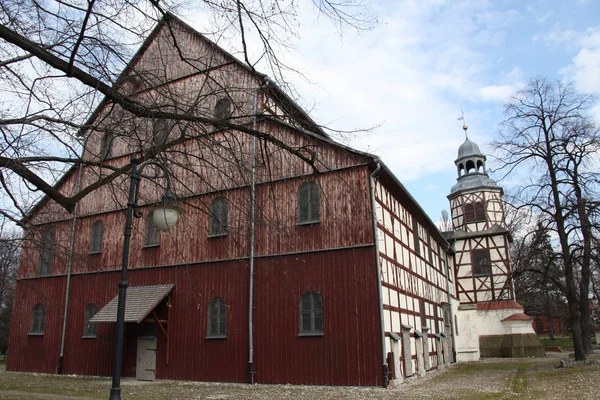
165 217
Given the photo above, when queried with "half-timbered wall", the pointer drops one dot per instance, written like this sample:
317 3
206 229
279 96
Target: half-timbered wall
487 236
492 206
414 274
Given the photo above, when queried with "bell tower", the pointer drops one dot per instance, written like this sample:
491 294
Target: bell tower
490 323
480 236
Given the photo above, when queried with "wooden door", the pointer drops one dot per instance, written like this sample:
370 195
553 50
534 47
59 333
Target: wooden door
146 359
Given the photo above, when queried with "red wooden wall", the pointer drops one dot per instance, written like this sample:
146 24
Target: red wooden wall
347 354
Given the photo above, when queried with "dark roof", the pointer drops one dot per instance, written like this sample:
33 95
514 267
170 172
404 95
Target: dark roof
140 301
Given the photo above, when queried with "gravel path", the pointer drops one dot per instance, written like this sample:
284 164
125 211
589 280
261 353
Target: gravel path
526 378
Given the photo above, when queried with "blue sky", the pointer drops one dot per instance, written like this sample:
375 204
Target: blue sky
410 74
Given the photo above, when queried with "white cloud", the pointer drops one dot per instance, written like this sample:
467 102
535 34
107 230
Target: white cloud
584 69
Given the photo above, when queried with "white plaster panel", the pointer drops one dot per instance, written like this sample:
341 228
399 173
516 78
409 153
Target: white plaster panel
387 320
396 325
393 298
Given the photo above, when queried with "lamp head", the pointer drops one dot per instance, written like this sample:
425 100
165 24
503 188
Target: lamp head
166 214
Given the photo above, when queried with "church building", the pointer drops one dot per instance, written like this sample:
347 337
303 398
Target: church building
296 259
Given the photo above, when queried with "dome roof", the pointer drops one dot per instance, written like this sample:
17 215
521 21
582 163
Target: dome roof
468 149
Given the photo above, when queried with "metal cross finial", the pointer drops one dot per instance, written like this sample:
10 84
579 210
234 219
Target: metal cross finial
462 118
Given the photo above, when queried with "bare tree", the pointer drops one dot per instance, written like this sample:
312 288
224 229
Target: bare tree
445 224
549 142
539 280
9 262
59 61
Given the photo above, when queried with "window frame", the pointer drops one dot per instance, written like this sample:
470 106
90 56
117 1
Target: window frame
313 312
97 237
106 146
46 252
416 236
89 330
160 131
309 198
475 260
152 234
218 211
220 315
38 320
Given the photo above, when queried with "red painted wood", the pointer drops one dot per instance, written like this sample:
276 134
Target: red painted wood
347 354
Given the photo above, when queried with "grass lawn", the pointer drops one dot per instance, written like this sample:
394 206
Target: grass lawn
523 378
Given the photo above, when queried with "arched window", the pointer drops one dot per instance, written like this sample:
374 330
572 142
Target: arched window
308 203
469 212
474 212
96 239
152 237
311 314
106 146
470 166
46 252
223 109
217 319
218 217
89 330
479 211
160 132
38 320
461 169
480 166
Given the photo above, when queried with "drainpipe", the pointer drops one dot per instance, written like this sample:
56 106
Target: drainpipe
61 357
252 242
452 326
384 366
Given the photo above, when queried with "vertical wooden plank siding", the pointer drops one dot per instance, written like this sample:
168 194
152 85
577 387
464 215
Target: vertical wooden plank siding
349 352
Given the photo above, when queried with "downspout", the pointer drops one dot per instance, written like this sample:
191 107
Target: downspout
61 356
252 242
452 326
384 366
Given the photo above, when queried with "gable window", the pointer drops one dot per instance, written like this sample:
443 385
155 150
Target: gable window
152 237
38 320
217 319
96 239
474 212
46 252
218 217
223 109
160 132
308 203
480 259
89 330
311 314
106 146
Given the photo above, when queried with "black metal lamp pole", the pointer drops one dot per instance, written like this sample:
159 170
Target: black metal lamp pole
132 211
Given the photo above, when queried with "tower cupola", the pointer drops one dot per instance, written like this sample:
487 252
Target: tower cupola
471 169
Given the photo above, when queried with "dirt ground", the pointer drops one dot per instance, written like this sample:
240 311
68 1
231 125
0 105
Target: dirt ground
524 378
